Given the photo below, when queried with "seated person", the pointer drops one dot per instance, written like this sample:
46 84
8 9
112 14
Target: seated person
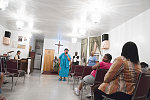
89 79
122 76
75 60
1 82
144 66
92 59
17 56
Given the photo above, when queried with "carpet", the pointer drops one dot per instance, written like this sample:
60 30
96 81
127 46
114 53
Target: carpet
50 73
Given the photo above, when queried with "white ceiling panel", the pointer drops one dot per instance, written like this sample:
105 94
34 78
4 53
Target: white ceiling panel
57 18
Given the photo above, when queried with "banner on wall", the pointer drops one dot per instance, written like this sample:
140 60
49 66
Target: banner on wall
21 46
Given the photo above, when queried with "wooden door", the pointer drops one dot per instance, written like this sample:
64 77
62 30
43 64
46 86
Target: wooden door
48 60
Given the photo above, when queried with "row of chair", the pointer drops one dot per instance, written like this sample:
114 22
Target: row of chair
79 72
10 69
142 90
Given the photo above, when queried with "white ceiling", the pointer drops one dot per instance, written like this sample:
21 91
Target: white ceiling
57 18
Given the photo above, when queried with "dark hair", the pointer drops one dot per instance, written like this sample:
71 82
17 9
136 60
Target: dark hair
109 56
130 51
18 51
66 49
143 65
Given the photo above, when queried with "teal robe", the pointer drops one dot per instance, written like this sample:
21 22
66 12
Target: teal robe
64 65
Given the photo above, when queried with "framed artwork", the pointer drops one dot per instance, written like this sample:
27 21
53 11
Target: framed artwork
84 44
25 38
20 38
94 44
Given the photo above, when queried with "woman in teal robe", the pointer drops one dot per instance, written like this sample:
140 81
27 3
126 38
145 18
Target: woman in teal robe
64 60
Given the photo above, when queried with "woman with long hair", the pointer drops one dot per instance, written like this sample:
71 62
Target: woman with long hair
120 80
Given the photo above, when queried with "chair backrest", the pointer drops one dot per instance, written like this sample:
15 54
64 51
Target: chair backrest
2 65
86 71
73 68
12 66
78 70
142 88
99 78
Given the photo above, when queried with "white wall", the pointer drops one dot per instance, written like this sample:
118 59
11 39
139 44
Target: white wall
32 43
137 30
39 44
50 44
14 42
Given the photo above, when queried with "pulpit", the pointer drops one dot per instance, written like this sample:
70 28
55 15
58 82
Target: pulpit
26 65
23 63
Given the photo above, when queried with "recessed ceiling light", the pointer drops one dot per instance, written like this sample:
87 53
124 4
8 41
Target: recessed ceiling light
3 4
19 24
82 32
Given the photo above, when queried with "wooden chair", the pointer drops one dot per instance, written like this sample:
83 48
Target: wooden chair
77 73
12 67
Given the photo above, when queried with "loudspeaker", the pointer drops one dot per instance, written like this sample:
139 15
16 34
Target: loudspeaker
7 34
105 44
105 37
6 40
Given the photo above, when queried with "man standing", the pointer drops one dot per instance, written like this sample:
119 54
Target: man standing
75 60
17 56
64 60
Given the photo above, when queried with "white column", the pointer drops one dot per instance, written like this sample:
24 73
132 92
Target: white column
29 66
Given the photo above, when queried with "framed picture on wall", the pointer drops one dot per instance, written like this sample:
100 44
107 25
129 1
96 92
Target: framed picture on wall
20 38
25 38
37 47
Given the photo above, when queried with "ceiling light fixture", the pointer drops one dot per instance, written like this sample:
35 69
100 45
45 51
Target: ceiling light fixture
19 24
82 32
95 18
30 24
3 4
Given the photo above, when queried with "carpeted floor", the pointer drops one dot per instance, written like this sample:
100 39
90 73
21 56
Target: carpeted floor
50 73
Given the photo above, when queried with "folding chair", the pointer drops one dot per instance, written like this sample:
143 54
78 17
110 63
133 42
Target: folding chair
99 78
71 72
12 67
142 90
77 73
4 70
86 71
